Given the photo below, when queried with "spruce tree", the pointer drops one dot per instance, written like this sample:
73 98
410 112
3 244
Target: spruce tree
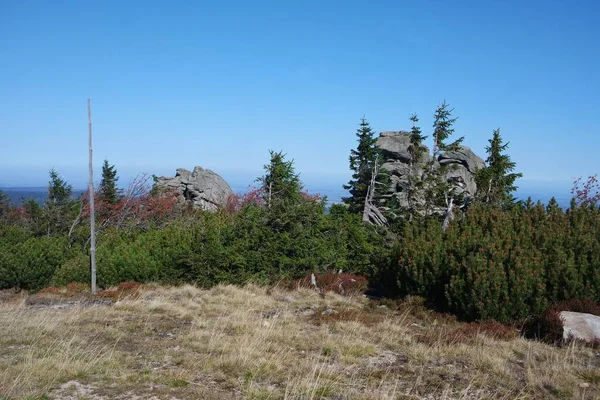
108 185
437 189
442 130
35 217
59 191
416 150
362 161
280 184
496 181
58 205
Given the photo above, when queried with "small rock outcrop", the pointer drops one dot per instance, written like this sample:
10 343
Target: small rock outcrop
203 188
580 326
394 147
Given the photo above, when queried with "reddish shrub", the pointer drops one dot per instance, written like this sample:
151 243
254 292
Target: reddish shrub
256 197
588 192
492 329
548 326
124 289
75 288
236 202
51 290
138 207
344 284
579 305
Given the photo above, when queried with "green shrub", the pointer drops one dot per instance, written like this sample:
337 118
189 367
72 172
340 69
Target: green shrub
501 264
31 264
76 269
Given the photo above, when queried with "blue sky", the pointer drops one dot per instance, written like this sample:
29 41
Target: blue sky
218 84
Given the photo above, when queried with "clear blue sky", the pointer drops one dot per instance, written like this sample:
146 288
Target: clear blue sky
217 84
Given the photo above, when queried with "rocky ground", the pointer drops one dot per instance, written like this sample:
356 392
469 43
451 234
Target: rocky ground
259 343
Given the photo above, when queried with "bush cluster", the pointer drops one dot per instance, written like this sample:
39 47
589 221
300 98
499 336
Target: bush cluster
502 264
229 246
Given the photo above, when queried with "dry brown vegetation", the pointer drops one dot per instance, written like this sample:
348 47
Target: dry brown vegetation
258 343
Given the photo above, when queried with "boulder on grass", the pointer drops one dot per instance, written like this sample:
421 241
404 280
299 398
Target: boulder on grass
580 326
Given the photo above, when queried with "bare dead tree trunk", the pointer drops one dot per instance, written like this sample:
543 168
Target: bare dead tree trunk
270 195
76 222
449 213
487 195
371 213
92 208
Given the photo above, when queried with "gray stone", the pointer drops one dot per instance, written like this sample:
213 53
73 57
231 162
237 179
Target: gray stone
580 326
394 146
463 156
462 165
202 188
462 180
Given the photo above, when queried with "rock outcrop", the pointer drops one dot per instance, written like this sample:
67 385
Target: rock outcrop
202 188
394 147
580 326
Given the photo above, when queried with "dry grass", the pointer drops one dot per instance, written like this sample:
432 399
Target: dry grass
254 343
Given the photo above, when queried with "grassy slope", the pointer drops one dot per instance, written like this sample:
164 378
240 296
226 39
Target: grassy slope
254 343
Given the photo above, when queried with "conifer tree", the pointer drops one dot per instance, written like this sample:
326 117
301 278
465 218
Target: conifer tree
280 184
58 206
35 217
59 191
108 185
362 162
416 150
496 181
442 130
438 192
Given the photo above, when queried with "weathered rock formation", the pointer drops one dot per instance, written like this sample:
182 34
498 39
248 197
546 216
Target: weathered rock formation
580 326
394 148
202 188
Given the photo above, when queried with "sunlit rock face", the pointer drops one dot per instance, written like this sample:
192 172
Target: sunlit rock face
201 187
463 163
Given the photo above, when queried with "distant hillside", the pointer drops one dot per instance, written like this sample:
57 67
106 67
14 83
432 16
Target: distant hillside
334 193
19 194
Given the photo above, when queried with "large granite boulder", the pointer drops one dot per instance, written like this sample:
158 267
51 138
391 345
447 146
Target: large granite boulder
202 188
462 163
394 145
580 326
463 156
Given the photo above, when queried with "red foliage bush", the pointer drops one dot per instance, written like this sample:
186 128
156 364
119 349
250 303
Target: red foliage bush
236 202
549 326
256 197
124 289
588 193
344 284
138 207
491 329
51 290
74 288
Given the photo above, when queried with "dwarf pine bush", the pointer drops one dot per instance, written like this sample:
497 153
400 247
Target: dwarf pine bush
502 264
